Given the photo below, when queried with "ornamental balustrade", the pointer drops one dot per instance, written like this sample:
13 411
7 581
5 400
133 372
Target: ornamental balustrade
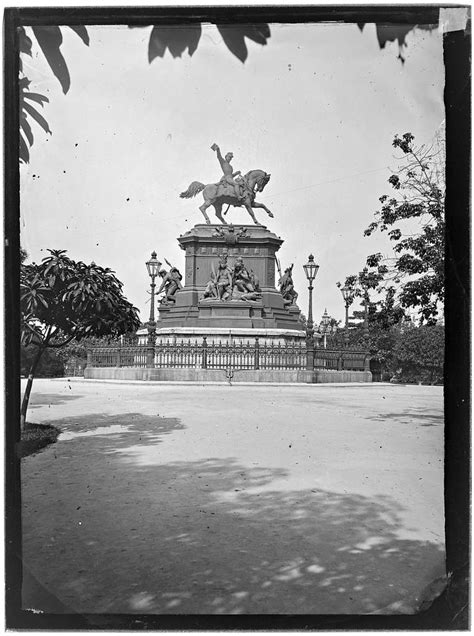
225 354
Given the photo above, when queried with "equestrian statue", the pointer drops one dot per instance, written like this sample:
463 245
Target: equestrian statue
233 189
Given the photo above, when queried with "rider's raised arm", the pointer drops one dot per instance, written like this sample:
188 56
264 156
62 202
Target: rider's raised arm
222 161
218 151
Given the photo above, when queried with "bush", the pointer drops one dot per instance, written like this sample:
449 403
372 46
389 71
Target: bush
50 364
34 437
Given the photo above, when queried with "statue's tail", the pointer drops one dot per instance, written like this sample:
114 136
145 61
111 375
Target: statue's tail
194 188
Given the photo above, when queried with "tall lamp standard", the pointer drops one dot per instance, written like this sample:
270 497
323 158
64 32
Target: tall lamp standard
153 268
310 269
348 300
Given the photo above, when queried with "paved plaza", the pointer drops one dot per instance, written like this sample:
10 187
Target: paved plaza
242 499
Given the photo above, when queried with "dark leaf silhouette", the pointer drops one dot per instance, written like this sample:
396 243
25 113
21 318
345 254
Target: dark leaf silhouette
26 109
24 42
26 128
234 37
36 97
234 42
176 40
50 39
36 116
81 32
395 32
24 152
259 33
392 32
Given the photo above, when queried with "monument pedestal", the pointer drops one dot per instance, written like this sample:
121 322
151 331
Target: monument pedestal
203 246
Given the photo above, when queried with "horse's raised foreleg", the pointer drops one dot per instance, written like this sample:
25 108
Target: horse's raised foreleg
218 209
248 207
256 204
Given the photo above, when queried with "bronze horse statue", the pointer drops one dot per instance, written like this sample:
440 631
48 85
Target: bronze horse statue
218 194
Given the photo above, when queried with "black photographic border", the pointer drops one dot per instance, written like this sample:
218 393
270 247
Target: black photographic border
442 615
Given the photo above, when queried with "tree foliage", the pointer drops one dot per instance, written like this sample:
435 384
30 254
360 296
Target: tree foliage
419 354
50 365
63 300
162 38
414 219
49 40
175 39
384 318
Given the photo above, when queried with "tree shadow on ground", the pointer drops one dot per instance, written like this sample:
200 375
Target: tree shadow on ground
410 416
211 536
41 399
119 429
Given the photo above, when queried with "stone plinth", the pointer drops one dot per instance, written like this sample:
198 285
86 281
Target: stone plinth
275 376
222 334
203 245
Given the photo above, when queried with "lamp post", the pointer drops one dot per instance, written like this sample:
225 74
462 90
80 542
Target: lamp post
310 269
346 294
153 267
348 300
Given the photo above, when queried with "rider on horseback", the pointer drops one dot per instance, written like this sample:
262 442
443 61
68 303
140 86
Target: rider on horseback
228 171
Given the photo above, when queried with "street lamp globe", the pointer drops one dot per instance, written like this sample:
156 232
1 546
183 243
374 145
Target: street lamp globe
153 266
348 297
311 269
346 293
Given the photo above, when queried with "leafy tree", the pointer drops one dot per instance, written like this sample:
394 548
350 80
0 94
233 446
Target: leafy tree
50 365
414 219
419 354
384 319
63 301
380 338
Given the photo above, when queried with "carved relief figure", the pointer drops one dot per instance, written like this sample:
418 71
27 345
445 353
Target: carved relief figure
287 289
223 279
211 287
255 282
170 284
232 284
241 277
244 287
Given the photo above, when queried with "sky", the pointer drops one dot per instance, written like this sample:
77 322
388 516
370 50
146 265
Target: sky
317 108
